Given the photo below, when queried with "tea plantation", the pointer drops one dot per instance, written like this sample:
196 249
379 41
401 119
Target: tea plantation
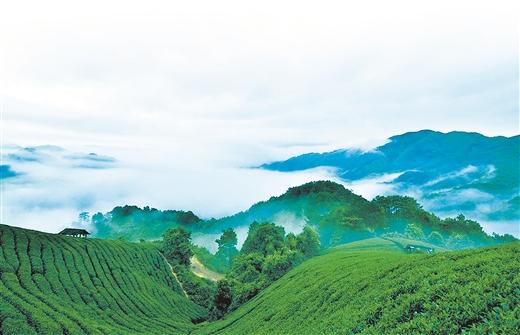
357 289
63 285
52 284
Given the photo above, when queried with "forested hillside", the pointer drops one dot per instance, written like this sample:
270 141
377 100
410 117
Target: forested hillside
370 287
52 284
339 215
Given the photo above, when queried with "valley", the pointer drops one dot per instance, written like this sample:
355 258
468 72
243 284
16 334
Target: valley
53 284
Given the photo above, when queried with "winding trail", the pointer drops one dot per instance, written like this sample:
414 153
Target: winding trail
200 270
175 275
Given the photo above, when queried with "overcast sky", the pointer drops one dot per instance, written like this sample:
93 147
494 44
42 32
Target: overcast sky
173 87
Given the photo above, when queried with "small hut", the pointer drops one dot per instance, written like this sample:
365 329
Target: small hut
74 232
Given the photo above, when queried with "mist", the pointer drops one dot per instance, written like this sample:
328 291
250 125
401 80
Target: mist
52 188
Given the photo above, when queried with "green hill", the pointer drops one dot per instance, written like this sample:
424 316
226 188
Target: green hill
339 215
370 287
52 284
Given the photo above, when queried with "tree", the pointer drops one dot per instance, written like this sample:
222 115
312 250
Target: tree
188 218
247 267
459 241
177 245
277 264
222 301
99 223
506 238
264 238
267 255
246 277
290 241
227 239
84 219
227 247
414 232
308 242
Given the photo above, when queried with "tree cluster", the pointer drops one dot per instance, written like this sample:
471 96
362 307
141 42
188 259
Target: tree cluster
266 255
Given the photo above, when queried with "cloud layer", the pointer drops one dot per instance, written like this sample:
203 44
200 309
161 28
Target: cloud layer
206 76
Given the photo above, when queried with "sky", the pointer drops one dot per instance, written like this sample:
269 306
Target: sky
185 96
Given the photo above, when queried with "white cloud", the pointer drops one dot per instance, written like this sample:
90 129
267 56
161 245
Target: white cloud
468 170
334 72
373 186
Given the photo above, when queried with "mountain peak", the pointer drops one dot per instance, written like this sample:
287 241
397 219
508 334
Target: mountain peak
451 134
320 186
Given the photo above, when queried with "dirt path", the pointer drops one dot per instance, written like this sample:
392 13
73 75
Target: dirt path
175 275
202 271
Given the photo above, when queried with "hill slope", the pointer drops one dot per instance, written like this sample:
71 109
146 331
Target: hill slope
52 284
381 291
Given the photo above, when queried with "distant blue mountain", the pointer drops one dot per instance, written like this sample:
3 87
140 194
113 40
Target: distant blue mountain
451 172
7 172
51 154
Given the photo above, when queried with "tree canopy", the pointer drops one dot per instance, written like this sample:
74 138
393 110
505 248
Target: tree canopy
308 242
264 238
177 245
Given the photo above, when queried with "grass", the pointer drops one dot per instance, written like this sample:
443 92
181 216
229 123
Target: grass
370 287
52 284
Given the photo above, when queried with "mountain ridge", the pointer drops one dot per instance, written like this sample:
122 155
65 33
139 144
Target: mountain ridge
448 172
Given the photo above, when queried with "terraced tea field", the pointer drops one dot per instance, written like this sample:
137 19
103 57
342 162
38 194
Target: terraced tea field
51 284
371 287
62 285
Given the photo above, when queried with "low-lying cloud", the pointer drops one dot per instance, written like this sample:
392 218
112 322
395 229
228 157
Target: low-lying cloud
53 188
